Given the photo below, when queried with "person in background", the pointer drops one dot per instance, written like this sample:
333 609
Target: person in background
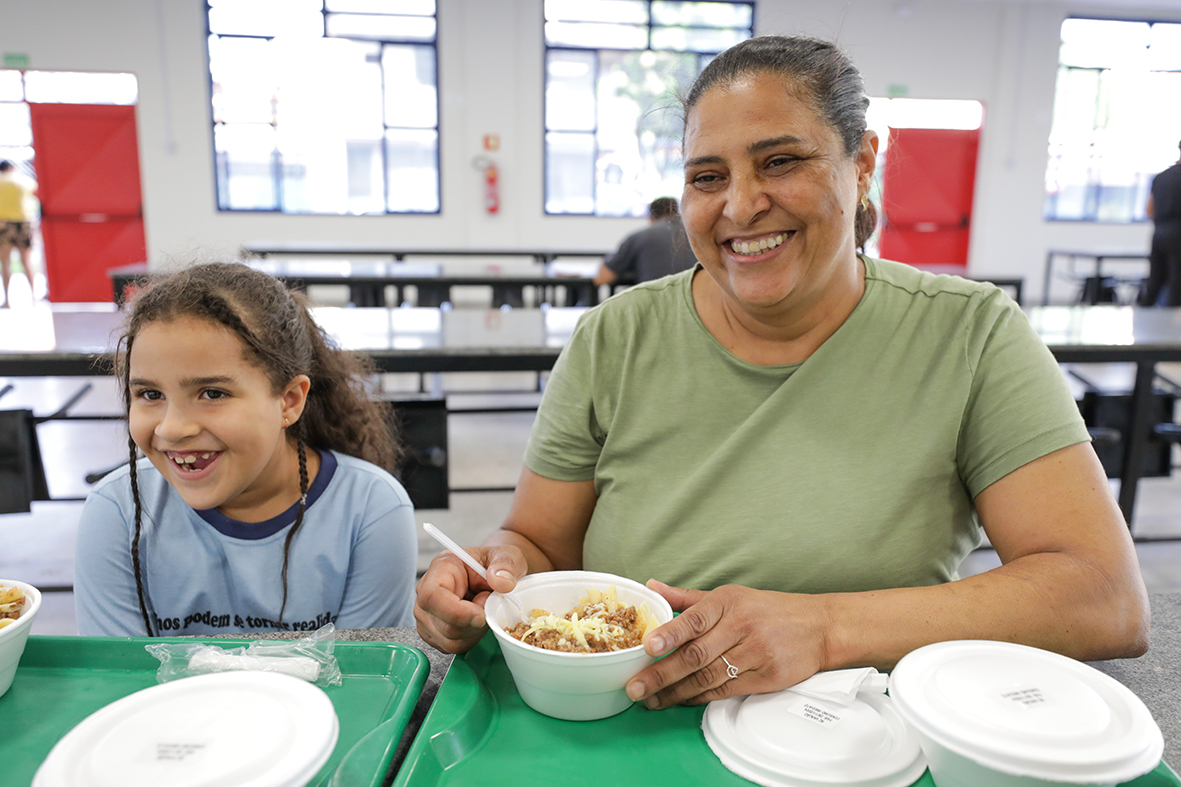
1164 260
17 210
658 250
263 500
796 444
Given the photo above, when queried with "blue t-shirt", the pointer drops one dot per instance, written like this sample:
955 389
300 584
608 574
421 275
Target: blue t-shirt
352 562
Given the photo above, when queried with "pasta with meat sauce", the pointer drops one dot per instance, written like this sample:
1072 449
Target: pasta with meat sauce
598 624
12 603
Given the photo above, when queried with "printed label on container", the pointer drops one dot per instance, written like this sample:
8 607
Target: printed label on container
178 752
813 712
1026 697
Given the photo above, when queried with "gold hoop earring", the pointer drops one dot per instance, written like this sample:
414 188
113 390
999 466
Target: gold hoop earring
865 202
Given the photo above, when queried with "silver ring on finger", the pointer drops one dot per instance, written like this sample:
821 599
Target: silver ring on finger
731 670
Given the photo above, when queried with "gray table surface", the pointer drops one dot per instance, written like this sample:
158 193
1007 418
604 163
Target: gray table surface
1155 677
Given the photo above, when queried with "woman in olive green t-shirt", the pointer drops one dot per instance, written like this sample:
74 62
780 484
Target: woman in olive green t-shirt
778 164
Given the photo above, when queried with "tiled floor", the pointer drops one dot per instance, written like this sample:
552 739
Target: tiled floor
485 451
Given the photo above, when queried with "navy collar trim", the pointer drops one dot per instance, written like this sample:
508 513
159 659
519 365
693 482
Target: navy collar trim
253 531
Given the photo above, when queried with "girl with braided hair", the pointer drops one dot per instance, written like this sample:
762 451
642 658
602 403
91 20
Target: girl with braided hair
264 499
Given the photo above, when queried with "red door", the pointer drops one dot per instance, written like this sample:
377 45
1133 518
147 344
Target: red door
927 189
87 159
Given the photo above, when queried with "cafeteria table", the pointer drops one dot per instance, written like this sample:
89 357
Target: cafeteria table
399 253
584 293
367 281
1117 334
1153 677
1092 281
73 340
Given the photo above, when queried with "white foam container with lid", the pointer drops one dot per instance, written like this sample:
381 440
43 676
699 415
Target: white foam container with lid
786 739
249 729
1006 715
572 686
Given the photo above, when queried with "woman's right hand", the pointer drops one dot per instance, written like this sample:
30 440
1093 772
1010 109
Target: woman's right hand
543 531
449 603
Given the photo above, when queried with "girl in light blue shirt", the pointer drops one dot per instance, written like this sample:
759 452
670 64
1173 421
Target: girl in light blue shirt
263 500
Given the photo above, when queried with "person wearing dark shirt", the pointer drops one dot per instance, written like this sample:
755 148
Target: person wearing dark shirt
658 250
1164 261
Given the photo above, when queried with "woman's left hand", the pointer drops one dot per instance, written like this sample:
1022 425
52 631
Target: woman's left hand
729 642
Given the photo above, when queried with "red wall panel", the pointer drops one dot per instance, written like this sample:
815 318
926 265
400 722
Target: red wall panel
87 159
927 188
83 252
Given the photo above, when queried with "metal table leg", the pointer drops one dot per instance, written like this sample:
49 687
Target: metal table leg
1137 444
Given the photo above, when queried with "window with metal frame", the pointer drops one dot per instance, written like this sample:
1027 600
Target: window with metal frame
613 72
1117 118
325 106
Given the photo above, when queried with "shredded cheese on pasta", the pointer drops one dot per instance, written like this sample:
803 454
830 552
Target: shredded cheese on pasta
596 606
576 628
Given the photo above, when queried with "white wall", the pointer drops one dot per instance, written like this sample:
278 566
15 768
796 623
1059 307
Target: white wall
1002 54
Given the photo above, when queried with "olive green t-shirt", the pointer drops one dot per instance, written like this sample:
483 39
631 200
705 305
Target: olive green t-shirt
852 470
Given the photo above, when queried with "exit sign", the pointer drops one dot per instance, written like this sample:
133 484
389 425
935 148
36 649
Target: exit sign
16 60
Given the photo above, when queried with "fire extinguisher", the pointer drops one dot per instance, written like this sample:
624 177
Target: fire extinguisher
491 188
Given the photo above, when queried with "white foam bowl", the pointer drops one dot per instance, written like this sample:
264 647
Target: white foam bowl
14 636
573 686
995 714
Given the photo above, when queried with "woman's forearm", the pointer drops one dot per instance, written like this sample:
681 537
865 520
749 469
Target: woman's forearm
1046 600
1069 581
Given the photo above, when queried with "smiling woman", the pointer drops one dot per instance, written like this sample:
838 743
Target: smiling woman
796 444
263 501
768 192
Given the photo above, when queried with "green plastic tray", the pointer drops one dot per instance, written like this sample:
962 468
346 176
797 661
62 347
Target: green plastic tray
62 680
479 731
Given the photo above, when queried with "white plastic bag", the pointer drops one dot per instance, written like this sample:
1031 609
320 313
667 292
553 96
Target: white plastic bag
841 686
309 658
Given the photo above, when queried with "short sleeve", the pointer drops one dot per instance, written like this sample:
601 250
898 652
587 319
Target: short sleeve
1019 407
567 437
379 590
105 596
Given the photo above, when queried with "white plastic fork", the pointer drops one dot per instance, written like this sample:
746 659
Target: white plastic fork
474 564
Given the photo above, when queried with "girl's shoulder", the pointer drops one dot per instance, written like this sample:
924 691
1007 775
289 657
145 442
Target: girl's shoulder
354 476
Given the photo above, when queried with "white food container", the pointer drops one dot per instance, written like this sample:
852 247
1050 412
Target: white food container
787 739
14 636
573 686
995 714
248 729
